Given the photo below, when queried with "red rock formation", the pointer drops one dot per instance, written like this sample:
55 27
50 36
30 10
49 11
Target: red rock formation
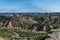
44 29
10 25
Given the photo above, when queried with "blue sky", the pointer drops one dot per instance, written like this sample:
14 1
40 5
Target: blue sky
29 5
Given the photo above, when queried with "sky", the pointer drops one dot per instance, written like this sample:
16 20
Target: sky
29 5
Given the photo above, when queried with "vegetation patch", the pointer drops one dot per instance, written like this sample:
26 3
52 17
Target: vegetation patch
20 35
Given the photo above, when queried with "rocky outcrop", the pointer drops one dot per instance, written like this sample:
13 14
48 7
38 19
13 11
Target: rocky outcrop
1 24
10 26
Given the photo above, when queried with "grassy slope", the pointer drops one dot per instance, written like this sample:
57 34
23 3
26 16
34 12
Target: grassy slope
20 35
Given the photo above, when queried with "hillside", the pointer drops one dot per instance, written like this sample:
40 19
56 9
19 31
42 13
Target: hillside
27 26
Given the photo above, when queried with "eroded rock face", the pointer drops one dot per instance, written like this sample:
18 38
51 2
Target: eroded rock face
1 24
44 28
9 25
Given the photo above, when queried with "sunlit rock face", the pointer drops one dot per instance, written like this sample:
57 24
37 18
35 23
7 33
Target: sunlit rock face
9 25
58 35
1 24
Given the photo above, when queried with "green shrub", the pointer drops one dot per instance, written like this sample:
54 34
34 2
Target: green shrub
21 35
55 26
